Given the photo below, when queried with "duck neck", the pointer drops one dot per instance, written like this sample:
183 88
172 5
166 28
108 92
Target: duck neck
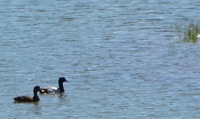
61 87
35 96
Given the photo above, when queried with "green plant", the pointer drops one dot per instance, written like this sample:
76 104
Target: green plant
191 33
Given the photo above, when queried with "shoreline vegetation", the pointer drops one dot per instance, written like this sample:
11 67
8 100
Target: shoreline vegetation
191 33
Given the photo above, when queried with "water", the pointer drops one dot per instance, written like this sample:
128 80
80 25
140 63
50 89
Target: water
123 59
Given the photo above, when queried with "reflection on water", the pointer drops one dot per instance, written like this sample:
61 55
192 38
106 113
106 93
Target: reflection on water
18 102
28 108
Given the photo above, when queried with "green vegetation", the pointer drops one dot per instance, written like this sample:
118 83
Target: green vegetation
191 33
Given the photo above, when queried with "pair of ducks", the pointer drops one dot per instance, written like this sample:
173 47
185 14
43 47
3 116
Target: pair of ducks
44 90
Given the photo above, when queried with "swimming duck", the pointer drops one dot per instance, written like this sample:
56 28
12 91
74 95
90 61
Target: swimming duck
54 90
28 98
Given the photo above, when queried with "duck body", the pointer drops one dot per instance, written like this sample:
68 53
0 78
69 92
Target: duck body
54 90
28 98
50 90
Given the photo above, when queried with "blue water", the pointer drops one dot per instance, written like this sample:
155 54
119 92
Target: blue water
123 59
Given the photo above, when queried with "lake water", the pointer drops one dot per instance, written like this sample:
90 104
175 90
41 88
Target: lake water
123 59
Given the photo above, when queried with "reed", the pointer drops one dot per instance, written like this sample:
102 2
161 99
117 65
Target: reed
191 33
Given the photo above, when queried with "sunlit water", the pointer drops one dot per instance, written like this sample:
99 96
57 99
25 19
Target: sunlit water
123 59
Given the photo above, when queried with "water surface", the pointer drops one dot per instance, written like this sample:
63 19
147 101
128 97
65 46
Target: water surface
123 59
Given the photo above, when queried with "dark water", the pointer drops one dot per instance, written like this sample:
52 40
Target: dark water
123 59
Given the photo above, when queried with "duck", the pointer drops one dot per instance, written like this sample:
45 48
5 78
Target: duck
54 90
29 98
